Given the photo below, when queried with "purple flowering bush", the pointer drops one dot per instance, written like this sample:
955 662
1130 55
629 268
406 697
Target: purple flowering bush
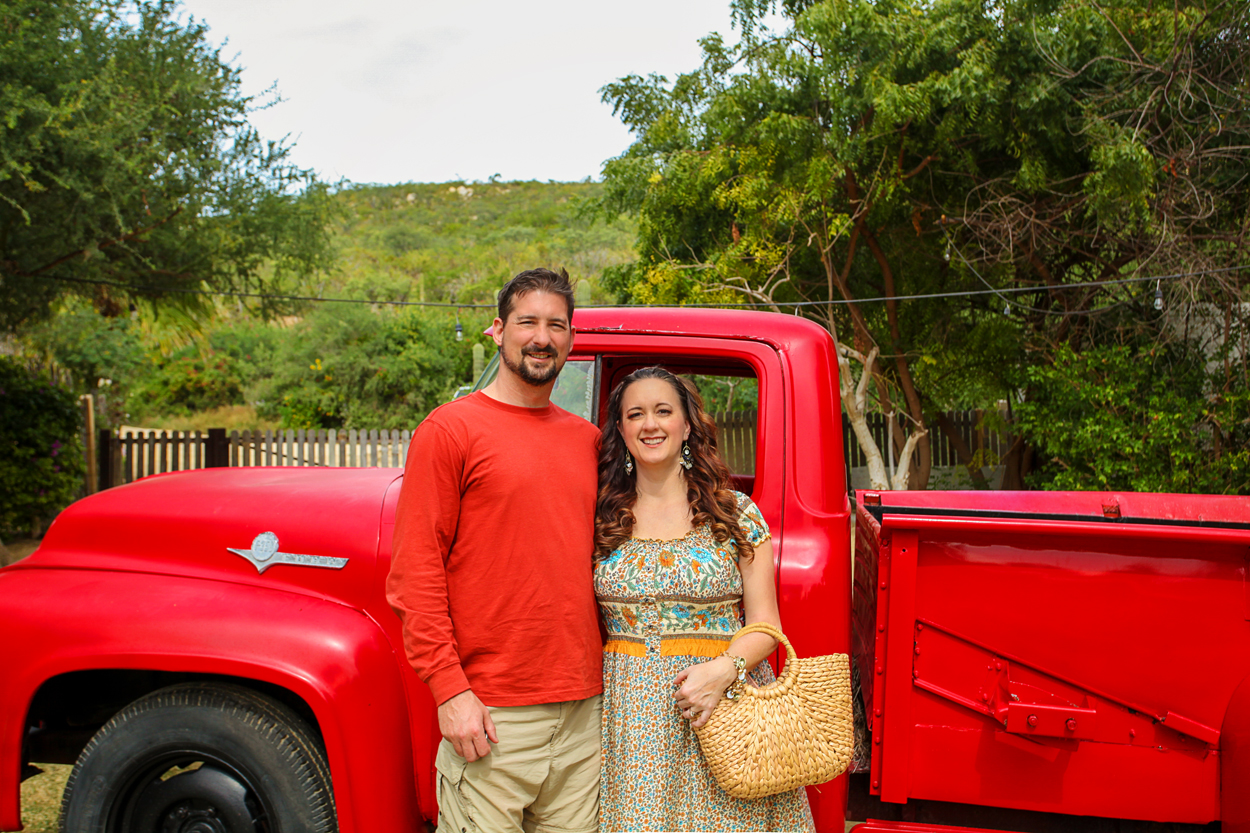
41 459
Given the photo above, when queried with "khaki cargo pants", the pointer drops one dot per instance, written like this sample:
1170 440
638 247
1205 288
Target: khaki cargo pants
542 776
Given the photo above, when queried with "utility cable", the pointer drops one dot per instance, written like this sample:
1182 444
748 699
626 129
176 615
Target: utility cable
756 305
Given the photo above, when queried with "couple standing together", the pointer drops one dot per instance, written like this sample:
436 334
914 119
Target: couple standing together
521 528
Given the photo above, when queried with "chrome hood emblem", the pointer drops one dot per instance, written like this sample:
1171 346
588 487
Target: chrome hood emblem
264 554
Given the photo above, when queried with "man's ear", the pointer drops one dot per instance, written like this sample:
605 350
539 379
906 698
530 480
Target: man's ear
496 332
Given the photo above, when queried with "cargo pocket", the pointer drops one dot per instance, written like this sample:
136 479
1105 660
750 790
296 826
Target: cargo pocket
455 810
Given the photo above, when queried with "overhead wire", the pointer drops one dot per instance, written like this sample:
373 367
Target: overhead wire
225 293
951 245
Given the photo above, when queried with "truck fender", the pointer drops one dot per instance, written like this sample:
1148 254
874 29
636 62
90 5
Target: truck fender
335 658
1235 762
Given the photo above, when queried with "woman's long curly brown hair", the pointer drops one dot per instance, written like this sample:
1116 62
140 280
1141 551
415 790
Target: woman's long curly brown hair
709 487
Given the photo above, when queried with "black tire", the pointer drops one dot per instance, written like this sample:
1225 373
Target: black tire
201 758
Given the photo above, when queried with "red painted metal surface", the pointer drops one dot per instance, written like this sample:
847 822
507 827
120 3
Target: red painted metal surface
1083 654
1079 665
120 584
1235 762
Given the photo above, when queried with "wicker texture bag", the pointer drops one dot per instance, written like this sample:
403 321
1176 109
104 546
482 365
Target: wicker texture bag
790 733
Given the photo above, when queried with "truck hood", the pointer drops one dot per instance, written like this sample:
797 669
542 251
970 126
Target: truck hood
308 530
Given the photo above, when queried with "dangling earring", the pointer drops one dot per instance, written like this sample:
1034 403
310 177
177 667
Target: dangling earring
687 461
629 463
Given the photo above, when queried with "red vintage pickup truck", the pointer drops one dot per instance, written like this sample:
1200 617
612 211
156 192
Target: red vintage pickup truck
214 651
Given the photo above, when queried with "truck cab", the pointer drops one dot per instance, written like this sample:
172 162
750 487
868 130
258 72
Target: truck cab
196 606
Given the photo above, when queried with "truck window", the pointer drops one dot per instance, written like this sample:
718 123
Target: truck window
730 392
733 402
574 390
575 387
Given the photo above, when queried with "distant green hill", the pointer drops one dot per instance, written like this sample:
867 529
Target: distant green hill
428 242
344 365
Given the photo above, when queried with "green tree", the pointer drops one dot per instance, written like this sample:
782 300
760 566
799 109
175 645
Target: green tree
90 346
924 147
128 169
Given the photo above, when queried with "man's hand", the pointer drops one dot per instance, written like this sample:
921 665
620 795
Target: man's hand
465 721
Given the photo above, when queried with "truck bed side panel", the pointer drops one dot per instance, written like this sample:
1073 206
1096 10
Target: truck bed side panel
1060 666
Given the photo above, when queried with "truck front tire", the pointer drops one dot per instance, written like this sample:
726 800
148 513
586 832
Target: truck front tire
208 757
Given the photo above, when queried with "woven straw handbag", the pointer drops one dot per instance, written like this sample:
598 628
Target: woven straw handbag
790 733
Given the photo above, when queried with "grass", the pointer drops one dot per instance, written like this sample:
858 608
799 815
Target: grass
230 417
41 798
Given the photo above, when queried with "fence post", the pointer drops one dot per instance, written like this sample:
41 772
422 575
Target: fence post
217 452
105 470
89 437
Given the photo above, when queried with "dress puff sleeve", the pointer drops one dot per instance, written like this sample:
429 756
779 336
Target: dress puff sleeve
751 521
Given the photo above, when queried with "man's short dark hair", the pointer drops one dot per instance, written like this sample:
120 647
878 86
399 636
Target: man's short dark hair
535 280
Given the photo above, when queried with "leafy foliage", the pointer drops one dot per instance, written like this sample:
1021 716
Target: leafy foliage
348 367
364 366
127 162
191 382
41 461
90 346
1117 418
879 150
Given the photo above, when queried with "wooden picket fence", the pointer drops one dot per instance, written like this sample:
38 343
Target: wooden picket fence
736 440
127 455
990 445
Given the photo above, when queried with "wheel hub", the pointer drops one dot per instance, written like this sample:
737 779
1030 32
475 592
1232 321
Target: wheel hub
205 800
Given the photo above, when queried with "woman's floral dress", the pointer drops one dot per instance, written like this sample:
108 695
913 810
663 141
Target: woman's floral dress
667 605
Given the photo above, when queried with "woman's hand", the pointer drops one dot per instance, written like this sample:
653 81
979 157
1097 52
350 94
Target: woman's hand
699 688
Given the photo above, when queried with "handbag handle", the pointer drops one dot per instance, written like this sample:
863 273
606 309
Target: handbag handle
785 682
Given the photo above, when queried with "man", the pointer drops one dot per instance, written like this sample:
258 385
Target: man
491 573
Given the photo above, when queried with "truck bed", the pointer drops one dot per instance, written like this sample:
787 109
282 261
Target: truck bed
1058 652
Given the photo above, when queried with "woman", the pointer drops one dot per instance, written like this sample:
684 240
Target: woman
676 551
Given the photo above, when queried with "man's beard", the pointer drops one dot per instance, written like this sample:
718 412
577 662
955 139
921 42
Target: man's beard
526 374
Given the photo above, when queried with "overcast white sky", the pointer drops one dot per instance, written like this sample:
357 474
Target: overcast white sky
389 91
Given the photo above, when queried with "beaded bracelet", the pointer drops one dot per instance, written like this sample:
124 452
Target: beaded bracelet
740 666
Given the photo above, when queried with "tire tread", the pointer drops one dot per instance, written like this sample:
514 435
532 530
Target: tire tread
278 725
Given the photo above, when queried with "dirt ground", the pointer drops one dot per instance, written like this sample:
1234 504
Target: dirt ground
11 551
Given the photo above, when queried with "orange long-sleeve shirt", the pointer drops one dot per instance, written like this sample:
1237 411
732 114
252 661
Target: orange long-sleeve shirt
491 563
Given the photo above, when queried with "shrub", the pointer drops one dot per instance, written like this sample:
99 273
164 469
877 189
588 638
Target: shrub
1145 419
41 459
190 383
349 367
